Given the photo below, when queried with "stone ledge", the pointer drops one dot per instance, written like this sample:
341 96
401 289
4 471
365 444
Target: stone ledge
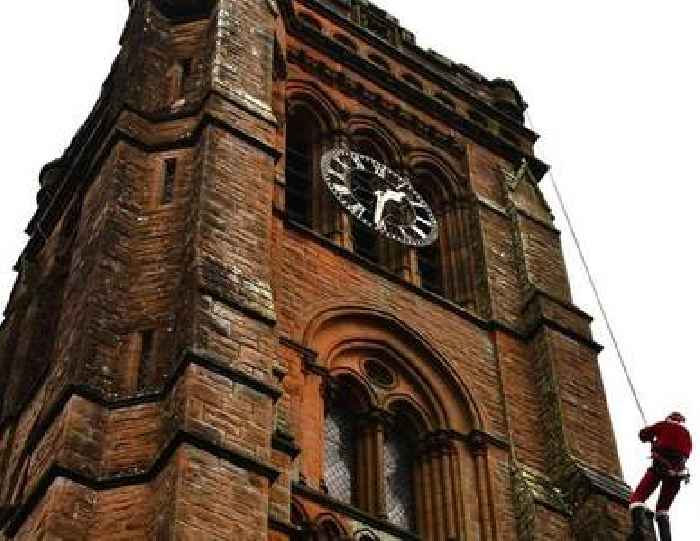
202 358
324 500
237 458
286 444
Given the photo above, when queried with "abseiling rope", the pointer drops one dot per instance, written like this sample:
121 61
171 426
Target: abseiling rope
591 281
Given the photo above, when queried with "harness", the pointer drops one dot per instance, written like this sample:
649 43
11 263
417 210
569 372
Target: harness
671 466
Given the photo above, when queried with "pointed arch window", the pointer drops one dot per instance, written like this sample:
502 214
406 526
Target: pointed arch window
429 258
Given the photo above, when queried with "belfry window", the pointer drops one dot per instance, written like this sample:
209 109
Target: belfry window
431 273
430 268
300 168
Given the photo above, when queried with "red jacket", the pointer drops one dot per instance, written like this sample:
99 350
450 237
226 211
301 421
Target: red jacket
668 436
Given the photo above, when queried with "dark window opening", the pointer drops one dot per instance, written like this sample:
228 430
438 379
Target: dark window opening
186 64
300 169
185 74
430 268
169 173
365 242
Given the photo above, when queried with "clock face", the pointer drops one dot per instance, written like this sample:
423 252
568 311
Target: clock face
379 198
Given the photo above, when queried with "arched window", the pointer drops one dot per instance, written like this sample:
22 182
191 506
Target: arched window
429 259
340 460
399 463
301 131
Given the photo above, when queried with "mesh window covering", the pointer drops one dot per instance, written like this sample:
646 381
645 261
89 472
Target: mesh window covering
339 466
398 472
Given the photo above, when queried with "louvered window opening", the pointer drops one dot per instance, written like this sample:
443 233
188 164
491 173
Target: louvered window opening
430 269
299 183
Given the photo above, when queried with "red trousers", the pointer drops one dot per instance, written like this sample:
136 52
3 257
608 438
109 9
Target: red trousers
670 485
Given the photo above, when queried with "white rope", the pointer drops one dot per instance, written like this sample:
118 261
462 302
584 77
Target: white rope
591 281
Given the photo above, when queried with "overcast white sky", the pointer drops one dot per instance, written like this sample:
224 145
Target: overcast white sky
614 90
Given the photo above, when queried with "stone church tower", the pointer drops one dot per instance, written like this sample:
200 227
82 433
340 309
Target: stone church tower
218 332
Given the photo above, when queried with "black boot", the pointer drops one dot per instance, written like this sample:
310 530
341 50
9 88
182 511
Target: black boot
639 522
664 527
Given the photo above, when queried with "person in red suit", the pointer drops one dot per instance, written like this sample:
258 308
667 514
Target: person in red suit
671 446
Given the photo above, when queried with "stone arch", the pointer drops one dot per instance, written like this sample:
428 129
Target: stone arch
309 95
427 161
334 326
450 257
406 405
361 391
328 528
372 129
365 535
415 463
298 515
307 104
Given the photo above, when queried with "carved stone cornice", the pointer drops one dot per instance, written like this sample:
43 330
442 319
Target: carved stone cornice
390 109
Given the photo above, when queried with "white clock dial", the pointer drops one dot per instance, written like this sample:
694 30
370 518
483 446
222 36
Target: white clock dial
379 198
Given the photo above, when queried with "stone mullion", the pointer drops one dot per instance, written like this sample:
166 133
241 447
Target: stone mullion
335 224
463 273
438 496
487 517
458 482
362 477
380 510
418 496
413 272
370 466
450 511
429 516
402 257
